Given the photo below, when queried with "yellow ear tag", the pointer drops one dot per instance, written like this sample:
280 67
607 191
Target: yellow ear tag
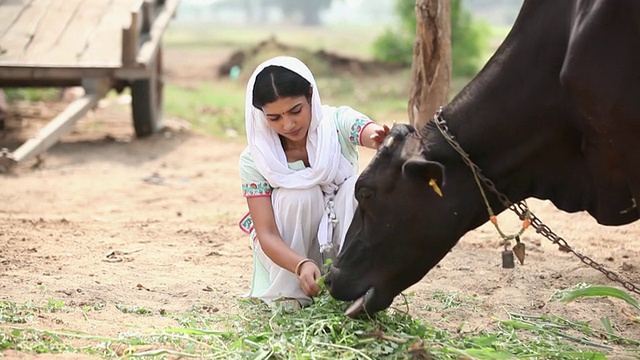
435 187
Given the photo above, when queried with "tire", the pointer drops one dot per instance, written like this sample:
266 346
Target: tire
147 100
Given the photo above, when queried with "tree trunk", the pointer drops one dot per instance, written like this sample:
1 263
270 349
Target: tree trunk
431 68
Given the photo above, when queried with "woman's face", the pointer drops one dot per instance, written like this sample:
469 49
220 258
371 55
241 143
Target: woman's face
290 117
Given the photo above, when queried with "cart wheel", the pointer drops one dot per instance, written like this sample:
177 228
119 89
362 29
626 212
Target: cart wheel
147 100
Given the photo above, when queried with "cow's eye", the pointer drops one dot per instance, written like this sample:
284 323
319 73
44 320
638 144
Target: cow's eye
365 193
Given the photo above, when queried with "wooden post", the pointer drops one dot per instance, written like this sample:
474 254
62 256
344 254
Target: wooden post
147 16
148 49
130 37
431 67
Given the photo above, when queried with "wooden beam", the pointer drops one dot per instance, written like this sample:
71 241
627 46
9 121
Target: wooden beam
138 73
148 50
130 36
11 73
60 125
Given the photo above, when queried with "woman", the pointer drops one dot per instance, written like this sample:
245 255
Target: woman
298 175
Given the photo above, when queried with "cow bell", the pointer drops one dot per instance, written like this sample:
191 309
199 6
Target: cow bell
507 259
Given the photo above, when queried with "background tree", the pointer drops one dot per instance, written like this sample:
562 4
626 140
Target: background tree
431 67
468 38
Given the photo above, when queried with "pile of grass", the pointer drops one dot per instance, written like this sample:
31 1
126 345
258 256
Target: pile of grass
319 331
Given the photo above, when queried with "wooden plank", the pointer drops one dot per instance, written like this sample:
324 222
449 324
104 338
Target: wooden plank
19 36
75 39
51 27
23 75
11 10
60 125
149 48
105 46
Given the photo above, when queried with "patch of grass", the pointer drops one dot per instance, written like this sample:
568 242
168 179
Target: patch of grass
211 108
16 313
32 94
11 312
133 309
319 331
454 300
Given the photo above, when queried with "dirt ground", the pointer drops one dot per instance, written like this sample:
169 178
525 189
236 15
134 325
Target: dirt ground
103 218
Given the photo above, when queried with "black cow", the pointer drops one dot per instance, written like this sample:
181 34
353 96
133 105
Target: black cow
554 114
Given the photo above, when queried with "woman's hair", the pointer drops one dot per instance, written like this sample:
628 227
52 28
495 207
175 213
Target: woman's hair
275 82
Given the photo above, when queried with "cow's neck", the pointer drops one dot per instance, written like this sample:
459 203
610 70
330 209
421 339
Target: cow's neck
513 121
518 125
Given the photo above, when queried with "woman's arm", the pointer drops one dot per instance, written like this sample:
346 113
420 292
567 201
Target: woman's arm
373 135
276 249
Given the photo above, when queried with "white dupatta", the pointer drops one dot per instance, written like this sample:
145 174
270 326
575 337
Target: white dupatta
328 167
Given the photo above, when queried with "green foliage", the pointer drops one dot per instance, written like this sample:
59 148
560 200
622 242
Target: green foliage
601 291
32 94
468 39
394 47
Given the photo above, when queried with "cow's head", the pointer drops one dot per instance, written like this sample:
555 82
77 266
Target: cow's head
384 251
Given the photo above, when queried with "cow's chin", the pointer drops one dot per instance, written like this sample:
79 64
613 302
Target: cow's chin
372 301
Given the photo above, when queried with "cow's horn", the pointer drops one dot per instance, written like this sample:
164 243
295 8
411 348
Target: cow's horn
389 141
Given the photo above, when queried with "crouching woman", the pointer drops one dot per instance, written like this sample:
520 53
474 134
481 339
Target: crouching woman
298 175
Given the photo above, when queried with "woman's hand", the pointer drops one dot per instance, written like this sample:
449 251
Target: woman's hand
373 135
309 273
379 135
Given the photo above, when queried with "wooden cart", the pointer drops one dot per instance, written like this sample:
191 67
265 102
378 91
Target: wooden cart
98 44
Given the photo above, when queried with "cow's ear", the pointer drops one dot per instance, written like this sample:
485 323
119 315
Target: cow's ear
429 172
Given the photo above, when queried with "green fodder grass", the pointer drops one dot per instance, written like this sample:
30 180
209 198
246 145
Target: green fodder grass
319 331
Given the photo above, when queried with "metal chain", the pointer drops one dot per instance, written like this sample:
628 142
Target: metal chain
522 210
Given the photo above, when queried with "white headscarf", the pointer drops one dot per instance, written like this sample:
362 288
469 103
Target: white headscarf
323 147
328 167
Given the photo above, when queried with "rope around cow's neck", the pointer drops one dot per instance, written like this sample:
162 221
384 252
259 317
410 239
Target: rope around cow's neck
522 210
